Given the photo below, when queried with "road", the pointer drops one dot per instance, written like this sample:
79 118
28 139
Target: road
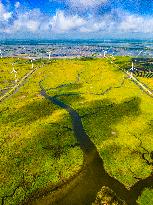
134 79
18 84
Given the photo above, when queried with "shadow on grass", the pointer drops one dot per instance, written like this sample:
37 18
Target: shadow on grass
56 139
70 86
55 136
31 112
39 109
101 115
150 124
84 58
83 189
37 161
53 141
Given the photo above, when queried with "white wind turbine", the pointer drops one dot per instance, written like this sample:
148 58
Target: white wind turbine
139 53
32 65
1 53
105 52
132 69
49 54
15 73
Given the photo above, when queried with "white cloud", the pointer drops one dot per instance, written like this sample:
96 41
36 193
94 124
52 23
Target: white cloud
103 24
133 23
86 3
31 21
126 23
30 25
17 4
34 22
7 16
62 23
33 25
4 14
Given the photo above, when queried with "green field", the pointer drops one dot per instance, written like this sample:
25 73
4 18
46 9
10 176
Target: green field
148 82
39 150
7 77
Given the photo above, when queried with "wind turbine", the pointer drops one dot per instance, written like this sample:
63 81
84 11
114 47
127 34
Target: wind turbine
139 53
32 65
15 73
1 53
132 69
105 53
49 53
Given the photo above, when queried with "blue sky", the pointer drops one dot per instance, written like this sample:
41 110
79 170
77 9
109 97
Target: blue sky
76 19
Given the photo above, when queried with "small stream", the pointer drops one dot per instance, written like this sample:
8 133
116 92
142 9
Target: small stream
82 189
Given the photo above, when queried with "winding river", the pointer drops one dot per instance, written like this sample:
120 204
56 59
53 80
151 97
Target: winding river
82 189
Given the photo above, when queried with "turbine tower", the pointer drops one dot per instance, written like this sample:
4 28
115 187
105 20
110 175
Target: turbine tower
32 65
49 53
132 69
15 73
105 53
1 53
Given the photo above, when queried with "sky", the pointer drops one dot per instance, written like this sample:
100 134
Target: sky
75 19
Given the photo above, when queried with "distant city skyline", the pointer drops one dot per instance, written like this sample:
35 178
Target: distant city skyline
76 19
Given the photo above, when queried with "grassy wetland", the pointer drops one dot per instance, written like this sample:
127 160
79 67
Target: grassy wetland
39 151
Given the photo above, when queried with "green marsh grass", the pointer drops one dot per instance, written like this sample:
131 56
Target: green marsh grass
36 136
